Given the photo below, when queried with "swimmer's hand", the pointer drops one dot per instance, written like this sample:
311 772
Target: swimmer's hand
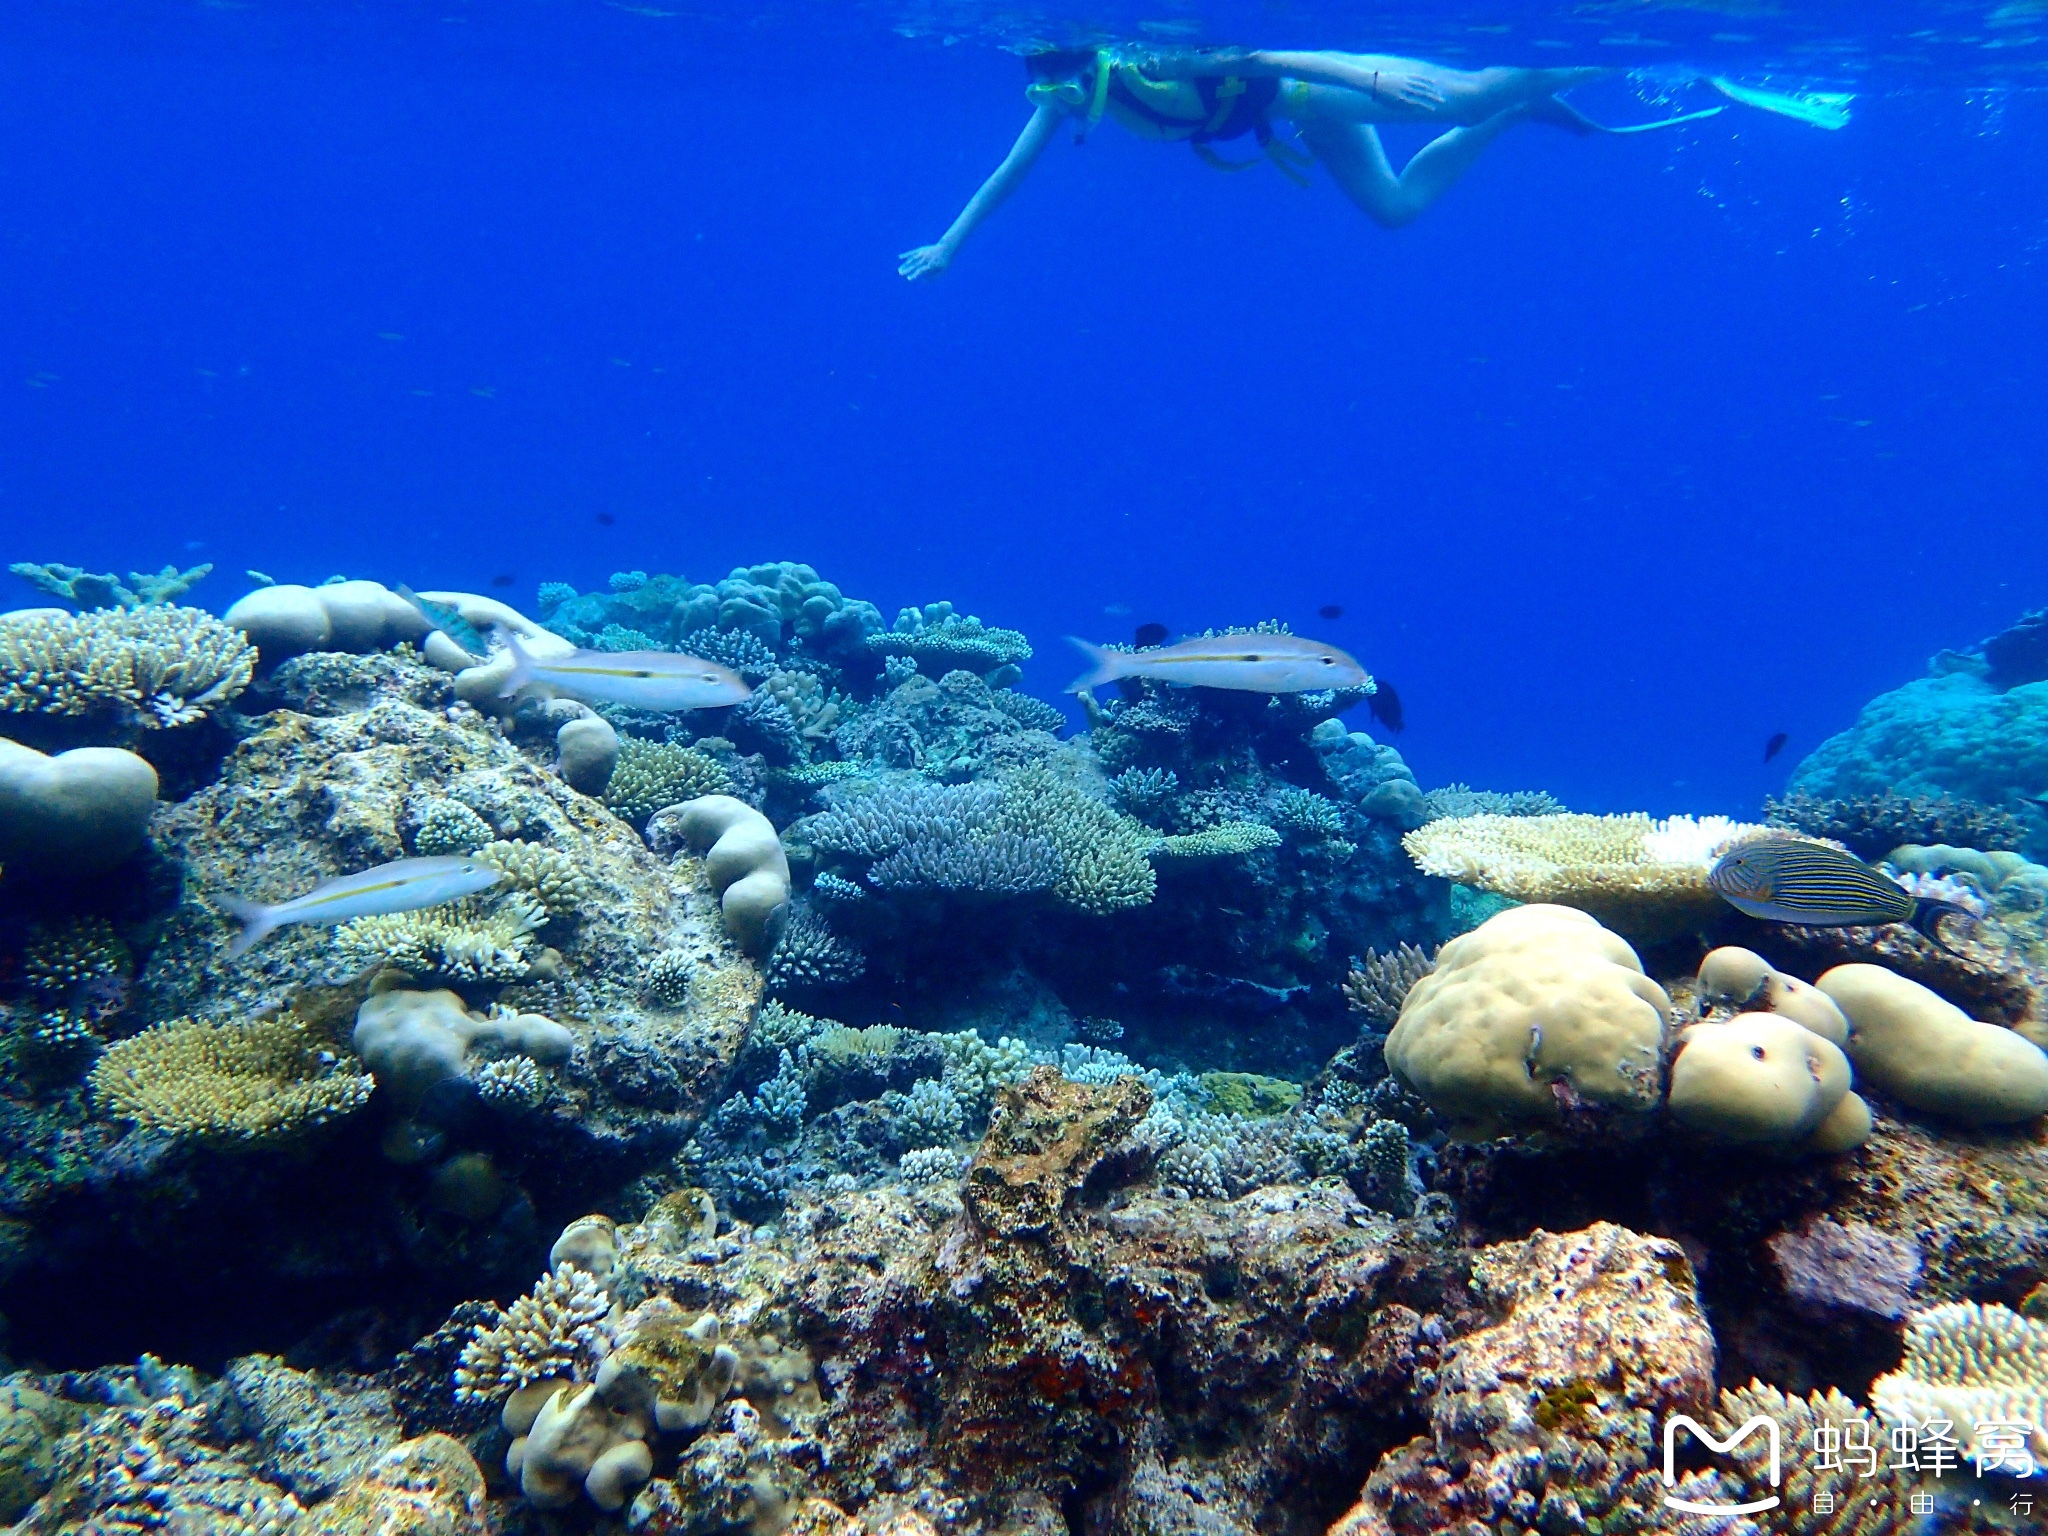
1409 90
927 261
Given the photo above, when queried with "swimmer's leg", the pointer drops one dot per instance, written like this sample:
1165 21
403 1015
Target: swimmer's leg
1357 162
1389 88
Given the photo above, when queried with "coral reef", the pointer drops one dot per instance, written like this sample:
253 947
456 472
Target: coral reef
1871 825
85 589
649 775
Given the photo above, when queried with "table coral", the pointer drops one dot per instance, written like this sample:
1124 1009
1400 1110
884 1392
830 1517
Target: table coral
228 1084
1646 879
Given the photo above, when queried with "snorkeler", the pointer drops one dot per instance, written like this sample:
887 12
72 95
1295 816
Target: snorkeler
1332 99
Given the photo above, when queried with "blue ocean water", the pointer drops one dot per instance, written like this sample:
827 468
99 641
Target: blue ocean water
1628 455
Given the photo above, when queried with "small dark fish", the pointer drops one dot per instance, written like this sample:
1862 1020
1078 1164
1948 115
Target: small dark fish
605 519
1150 635
1385 705
1775 745
503 579
1330 611
1787 880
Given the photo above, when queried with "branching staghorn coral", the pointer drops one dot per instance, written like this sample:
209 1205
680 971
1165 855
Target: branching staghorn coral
558 1329
810 954
77 952
669 973
142 589
976 1070
551 877
467 940
1380 985
228 1084
1032 713
1637 875
1973 1366
929 1115
149 667
1455 799
1102 853
653 774
1222 841
992 864
892 816
1308 813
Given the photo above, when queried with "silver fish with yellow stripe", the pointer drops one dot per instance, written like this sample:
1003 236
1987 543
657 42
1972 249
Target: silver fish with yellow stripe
401 886
1789 880
654 680
1245 660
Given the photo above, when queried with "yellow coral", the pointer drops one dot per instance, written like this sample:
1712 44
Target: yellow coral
653 774
1642 877
228 1083
157 666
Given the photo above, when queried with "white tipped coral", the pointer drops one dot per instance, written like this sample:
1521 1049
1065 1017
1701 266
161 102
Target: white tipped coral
151 667
1641 876
1973 1366
460 939
558 1329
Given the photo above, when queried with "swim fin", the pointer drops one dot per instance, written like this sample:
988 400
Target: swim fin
1562 114
1822 109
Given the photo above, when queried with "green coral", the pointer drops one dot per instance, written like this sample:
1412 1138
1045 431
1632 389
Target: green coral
74 584
449 826
1103 860
811 775
148 667
1247 1093
1227 840
64 956
653 774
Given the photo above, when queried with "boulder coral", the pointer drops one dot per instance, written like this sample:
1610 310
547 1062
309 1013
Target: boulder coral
1927 1053
1762 1078
286 620
412 1040
81 812
1536 999
744 861
1744 980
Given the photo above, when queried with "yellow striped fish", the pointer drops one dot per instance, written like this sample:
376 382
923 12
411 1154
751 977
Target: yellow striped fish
657 680
1786 880
404 885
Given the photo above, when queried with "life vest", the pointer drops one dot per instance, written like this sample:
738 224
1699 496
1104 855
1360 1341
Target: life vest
1198 113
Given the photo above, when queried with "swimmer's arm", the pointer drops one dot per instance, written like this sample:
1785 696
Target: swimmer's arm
931 260
1397 82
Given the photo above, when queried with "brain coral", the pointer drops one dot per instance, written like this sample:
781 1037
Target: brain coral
146 667
228 1083
1535 997
1642 877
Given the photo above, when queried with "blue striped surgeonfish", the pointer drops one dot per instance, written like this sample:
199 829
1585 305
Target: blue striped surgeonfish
1788 880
